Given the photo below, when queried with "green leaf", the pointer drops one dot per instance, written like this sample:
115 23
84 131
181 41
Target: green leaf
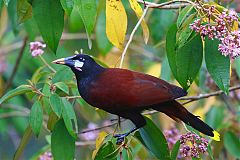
67 6
38 74
214 117
101 38
12 14
52 120
69 117
129 153
232 144
56 104
175 150
185 32
40 152
46 91
6 2
88 12
209 150
49 16
165 70
154 140
114 154
31 27
1 6
62 143
62 75
105 149
24 141
217 65
184 61
36 118
183 15
75 21
15 92
62 86
237 63
24 10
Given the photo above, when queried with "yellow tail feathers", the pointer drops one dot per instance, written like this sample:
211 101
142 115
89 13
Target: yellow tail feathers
216 136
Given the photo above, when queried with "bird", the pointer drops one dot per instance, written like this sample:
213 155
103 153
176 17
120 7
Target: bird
127 93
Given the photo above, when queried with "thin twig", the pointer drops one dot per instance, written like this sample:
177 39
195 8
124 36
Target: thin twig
131 36
167 4
45 62
86 143
73 97
99 128
201 96
9 82
13 114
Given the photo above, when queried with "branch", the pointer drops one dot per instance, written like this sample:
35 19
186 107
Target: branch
132 34
9 82
190 98
13 114
45 62
201 96
167 5
99 128
85 143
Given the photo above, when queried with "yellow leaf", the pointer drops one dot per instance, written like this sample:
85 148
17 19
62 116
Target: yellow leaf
100 139
94 154
138 10
116 22
235 26
1 86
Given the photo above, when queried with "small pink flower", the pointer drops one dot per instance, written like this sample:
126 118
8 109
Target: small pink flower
229 40
46 156
193 145
36 48
3 65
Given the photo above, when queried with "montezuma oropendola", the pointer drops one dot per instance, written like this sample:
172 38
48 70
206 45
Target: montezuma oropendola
127 93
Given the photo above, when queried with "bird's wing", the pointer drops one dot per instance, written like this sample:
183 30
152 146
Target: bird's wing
151 90
119 87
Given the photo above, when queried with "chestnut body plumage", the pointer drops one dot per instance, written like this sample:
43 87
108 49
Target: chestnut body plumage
127 93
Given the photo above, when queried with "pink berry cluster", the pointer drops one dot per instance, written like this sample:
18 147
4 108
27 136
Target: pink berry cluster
46 156
172 135
36 48
219 26
192 145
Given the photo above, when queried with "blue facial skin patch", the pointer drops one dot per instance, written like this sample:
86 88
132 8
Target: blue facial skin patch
78 64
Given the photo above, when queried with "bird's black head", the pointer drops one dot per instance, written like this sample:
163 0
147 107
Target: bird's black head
81 64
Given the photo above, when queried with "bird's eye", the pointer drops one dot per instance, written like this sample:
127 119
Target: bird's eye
78 64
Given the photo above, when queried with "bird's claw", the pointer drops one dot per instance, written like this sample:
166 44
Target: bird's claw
120 138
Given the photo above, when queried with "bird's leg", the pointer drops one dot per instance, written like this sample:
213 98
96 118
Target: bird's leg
120 137
136 118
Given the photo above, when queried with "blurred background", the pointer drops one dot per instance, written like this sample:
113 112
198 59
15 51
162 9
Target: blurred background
221 112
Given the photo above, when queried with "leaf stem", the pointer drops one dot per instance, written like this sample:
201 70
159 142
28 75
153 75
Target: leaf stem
45 62
131 36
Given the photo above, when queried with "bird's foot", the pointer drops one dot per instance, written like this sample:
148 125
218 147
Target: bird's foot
120 137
